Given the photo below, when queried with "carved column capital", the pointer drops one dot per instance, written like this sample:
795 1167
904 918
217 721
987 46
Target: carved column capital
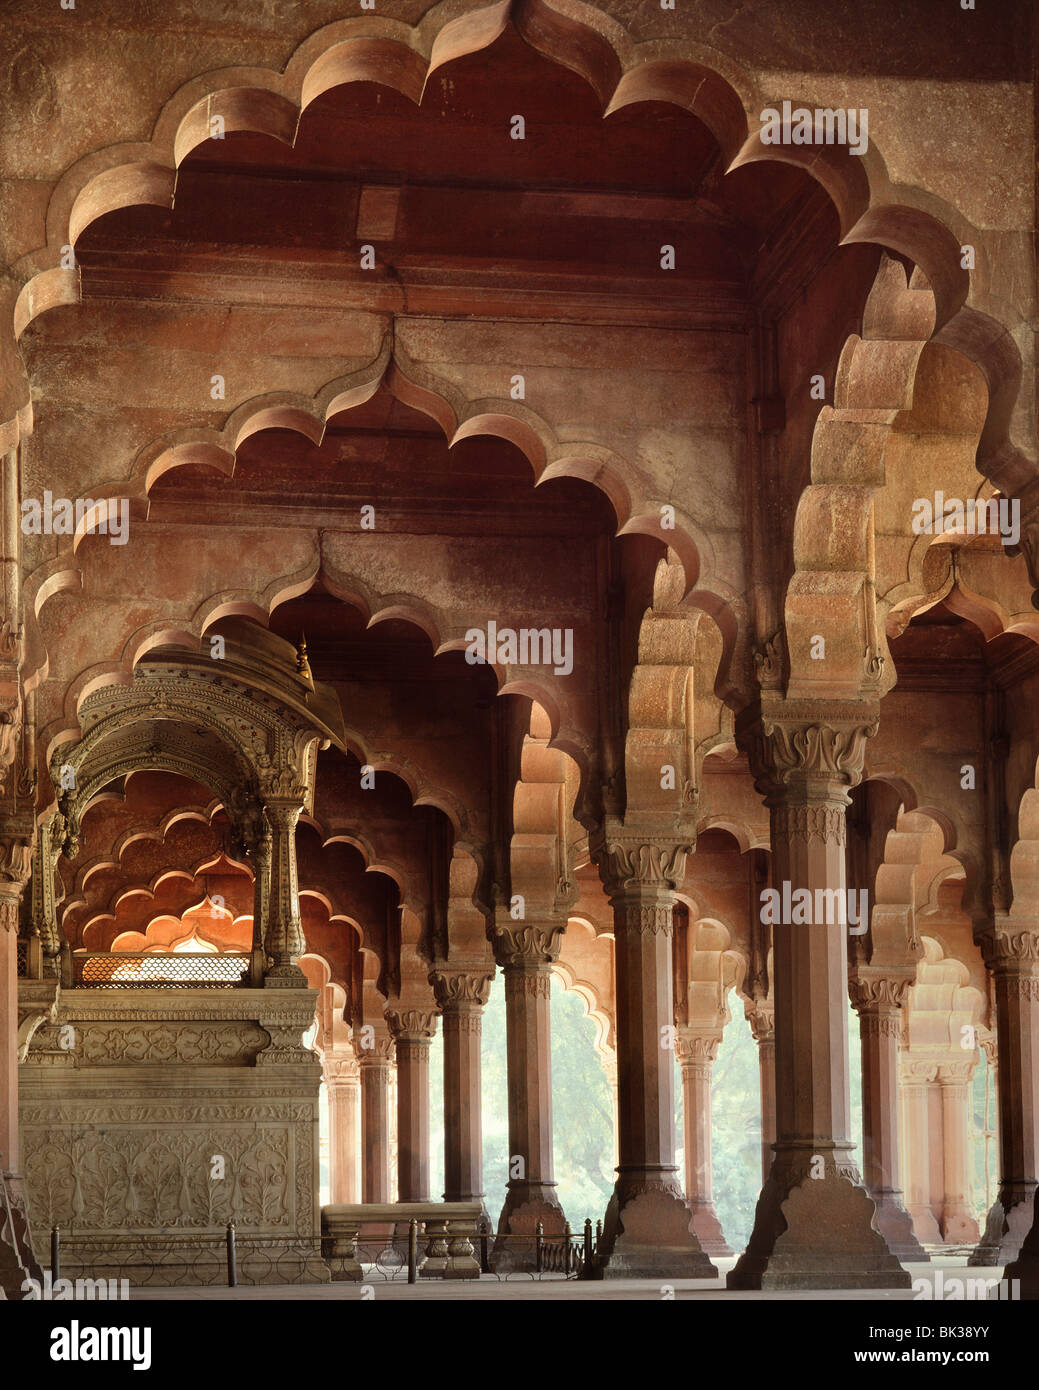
283 813
373 1051
282 792
459 988
1010 946
411 1025
877 994
956 1073
519 945
762 1020
916 1073
804 750
629 861
341 1071
694 1047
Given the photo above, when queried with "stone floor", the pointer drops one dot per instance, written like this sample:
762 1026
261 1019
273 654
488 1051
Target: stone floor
490 1288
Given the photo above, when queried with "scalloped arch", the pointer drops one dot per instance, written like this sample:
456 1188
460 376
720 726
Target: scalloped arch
590 43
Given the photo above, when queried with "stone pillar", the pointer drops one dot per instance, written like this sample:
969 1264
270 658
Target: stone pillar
762 1020
375 1064
647 1232
957 1224
917 1079
343 1082
461 994
1013 958
44 907
259 850
17 1261
412 1032
879 1000
696 1052
284 941
814 1225
525 954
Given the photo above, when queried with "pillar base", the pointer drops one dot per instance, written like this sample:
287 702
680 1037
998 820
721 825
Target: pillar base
648 1232
526 1203
1008 1223
1026 1267
816 1233
18 1263
959 1227
284 977
896 1226
707 1228
925 1227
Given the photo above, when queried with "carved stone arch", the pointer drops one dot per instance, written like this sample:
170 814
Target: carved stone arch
941 1000
1024 856
914 859
870 207
660 765
714 969
548 455
585 966
132 755
250 743
540 859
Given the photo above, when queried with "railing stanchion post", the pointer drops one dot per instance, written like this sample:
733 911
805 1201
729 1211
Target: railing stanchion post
412 1251
539 1248
55 1255
485 1246
232 1257
568 1236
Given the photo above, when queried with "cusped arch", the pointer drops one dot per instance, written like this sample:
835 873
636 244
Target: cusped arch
589 42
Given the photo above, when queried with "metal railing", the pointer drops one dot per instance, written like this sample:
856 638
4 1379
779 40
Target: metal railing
158 970
569 1255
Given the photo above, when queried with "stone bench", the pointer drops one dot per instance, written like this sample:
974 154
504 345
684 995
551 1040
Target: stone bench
446 1247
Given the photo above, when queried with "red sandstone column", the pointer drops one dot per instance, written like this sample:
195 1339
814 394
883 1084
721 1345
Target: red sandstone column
285 942
879 999
343 1080
696 1052
917 1078
1012 954
647 1231
762 1020
525 954
814 1223
958 1224
375 1066
462 994
412 1031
